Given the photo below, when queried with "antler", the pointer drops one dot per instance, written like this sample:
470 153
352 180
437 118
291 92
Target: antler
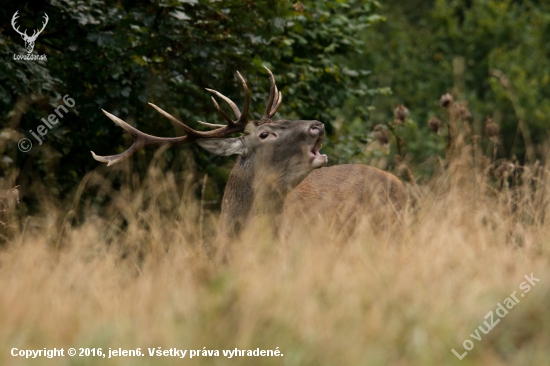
273 102
24 34
275 97
241 117
43 26
142 139
13 19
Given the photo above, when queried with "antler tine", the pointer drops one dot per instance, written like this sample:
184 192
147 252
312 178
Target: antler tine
224 115
44 24
186 128
277 104
276 98
140 140
13 20
210 124
113 159
233 106
272 93
243 119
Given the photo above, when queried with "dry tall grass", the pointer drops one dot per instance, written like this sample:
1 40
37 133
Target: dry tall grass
144 273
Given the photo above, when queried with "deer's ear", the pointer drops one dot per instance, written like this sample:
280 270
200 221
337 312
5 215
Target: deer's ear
224 147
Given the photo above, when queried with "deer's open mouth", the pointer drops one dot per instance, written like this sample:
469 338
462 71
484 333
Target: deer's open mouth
315 157
315 150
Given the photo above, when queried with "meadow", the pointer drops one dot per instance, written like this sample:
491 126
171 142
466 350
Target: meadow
137 267
125 261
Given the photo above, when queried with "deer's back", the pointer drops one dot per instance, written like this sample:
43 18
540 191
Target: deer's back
340 195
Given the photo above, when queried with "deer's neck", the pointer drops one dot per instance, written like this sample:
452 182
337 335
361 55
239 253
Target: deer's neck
248 195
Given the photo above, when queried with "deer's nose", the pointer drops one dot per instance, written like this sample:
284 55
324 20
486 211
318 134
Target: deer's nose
317 130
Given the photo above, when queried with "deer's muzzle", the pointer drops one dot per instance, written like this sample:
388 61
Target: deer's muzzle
317 130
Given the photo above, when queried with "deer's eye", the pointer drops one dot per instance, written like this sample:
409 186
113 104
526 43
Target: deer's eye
263 135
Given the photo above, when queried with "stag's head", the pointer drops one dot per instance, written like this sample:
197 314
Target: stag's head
279 154
29 40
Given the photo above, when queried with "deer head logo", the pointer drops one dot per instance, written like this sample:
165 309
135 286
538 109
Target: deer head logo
29 40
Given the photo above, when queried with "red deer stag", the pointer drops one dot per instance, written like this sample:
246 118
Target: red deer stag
274 156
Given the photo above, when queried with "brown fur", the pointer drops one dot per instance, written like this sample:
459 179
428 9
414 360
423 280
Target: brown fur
341 195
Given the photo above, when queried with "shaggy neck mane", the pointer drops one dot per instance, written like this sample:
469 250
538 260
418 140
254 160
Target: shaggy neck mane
243 201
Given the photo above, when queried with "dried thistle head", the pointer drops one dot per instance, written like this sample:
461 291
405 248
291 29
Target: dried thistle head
463 111
492 130
446 100
382 135
400 113
299 7
434 124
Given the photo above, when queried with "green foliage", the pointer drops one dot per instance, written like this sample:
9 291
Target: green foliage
420 51
118 56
